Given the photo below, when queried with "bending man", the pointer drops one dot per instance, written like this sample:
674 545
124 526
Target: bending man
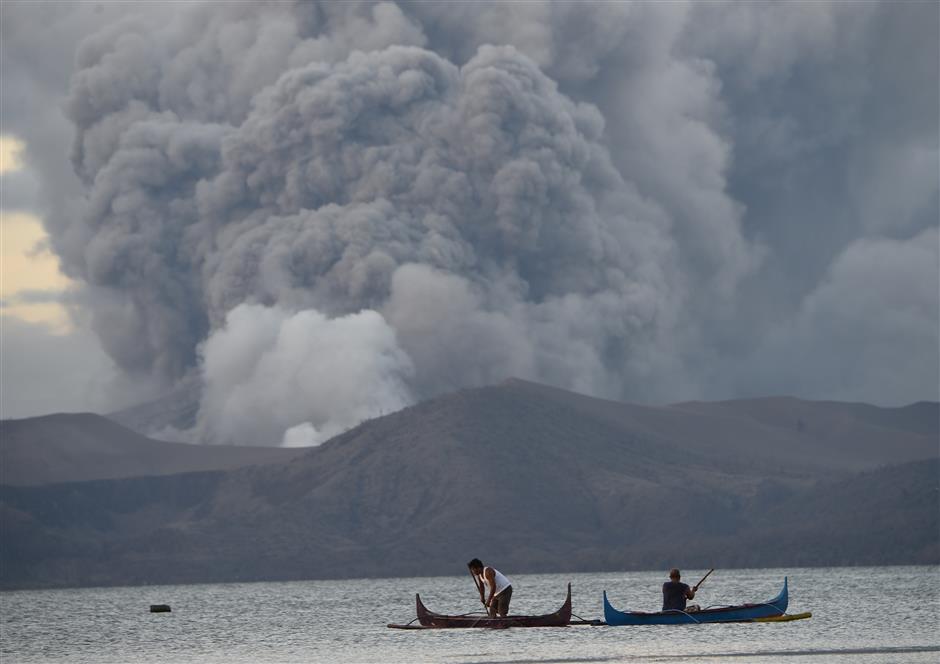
500 589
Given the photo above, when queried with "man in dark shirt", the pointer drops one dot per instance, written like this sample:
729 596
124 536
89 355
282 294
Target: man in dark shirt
675 593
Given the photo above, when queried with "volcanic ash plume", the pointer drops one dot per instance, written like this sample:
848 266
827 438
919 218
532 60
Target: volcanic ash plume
374 230
633 200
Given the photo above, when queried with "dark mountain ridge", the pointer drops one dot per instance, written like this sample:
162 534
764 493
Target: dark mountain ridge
532 477
70 447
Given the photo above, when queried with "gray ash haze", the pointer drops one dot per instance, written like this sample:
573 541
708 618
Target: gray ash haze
319 213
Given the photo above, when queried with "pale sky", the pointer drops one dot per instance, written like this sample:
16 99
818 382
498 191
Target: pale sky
26 264
64 368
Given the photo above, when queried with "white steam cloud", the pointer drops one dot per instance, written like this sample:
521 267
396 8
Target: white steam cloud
271 374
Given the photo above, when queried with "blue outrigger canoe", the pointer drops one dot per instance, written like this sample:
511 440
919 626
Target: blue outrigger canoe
741 613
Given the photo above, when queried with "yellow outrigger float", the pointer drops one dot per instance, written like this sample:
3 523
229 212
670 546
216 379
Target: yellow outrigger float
786 617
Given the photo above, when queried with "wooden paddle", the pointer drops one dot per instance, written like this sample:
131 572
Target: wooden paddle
479 585
695 587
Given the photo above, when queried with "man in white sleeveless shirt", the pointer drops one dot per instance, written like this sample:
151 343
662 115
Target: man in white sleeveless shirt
500 589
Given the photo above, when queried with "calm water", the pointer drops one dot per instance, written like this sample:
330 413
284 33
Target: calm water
884 614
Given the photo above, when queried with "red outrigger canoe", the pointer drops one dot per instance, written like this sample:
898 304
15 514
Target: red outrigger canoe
430 620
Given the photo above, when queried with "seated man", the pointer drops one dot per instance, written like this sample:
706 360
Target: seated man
675 593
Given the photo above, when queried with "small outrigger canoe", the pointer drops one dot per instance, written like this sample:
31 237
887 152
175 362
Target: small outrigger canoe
741 613
430 620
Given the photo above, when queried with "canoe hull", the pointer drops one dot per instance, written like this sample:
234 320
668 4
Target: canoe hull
429 619
742 613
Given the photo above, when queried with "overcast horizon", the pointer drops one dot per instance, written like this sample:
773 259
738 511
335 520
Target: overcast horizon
303 215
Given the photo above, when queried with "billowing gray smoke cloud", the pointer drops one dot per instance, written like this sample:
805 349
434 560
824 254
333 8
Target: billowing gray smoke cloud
474 208
329 211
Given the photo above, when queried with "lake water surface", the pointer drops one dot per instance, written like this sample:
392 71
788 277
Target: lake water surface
880 614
